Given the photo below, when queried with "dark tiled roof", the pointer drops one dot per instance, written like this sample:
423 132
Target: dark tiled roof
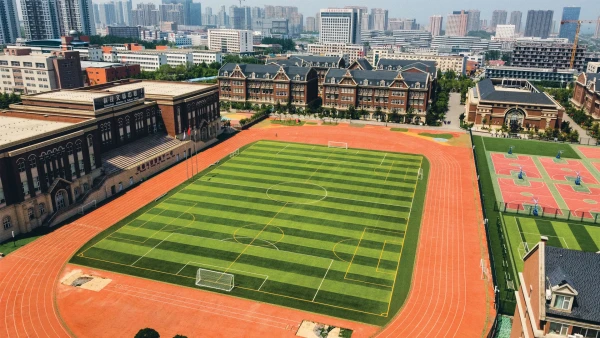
261 70
487 92
392 64
591 77
318 61
374 78
365 64
581 270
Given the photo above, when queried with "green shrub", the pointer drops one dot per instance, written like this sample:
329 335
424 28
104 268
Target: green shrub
147 333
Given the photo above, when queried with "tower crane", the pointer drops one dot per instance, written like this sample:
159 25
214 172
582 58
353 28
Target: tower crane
578 22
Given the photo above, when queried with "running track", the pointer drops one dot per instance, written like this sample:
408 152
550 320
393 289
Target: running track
448 297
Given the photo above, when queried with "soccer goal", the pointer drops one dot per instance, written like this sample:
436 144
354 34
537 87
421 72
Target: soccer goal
214 279
420 174
333 144
234 153
87 206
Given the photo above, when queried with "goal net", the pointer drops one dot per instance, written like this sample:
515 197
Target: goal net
234 153
420 174
214 279
333 144
87 206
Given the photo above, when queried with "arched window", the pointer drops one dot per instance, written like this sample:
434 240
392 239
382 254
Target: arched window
60 199
6 222
69 148
32 161
30 214
21 165
41 208
90 141
78 146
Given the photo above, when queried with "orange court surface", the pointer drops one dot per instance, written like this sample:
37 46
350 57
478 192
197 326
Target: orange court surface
449 297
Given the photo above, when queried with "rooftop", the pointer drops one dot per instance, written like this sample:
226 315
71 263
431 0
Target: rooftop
96 64
79 96
14 128
159 88
488 92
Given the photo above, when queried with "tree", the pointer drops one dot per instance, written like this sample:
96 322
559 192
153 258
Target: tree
353 114
410 113
364 114
111 39
394 117
179 336
147 333
286 44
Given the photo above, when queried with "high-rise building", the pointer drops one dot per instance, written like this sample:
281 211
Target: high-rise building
240 17
230 40
76 15
172 13
365 17
473 20
145 15
9 22
96 12
296 21
597 34
498 18
539 23
395 24
435 25
339 25
456 24
516 17
311 24
40 19
223 18
195 14
258 13
107 14
186 9
569 29
379 17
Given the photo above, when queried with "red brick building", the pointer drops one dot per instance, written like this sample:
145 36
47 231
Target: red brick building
586 94
103 72
522 105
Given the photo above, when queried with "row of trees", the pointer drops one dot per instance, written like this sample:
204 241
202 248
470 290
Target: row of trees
8 99
446 83
579 116
286 44
181 72
110 39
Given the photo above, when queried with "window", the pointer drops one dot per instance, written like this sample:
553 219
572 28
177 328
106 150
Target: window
3 63
21 165
60 199
15 63
30 214
6 222
42 208
40 65
562 302
559 329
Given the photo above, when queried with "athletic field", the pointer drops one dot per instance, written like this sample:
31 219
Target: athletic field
329 230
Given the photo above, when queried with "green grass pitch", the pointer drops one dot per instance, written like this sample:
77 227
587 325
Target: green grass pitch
321 229
529 147
521 230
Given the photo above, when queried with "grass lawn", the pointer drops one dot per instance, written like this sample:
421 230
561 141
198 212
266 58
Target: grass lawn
444 136
326 230
560 234
399 129
288 122
529 147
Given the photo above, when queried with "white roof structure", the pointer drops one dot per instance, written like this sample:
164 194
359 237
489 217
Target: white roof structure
14 128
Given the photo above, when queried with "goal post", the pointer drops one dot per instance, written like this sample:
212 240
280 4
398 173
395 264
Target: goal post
234 153
214 279
333 144
87 206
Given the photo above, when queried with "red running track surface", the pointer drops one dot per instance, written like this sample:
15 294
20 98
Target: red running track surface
448 296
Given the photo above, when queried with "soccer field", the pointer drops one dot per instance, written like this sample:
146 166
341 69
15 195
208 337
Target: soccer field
328 230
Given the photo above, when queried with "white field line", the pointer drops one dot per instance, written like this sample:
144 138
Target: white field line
383 159
159 243
322 280
282 150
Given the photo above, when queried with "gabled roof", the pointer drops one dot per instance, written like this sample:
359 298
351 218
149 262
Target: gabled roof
260 71
594 78
487 92
312 61
362 63
375 78
400 64
581 271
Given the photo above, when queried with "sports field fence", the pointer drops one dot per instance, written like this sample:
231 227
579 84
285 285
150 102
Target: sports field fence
547 212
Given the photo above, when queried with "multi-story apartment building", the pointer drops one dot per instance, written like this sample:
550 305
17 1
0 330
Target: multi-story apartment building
516 18
268 84
593 67
473 20
586 94
40 19
230 40
9 22
340 25
435 24
63 149
311 24
456 23
539 23
558 294
350 53
499 105
124 31
379 17
76 15
548 55
150 60
568 29
389 91
498 18
26 73
146 14
443 63
530 74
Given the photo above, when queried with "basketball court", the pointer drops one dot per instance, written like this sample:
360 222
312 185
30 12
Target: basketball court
506 164
590 152
566 170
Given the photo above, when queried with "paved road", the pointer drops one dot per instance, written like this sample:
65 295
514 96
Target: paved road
454 111
582 132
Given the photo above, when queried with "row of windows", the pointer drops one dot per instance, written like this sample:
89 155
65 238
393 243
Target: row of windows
7 221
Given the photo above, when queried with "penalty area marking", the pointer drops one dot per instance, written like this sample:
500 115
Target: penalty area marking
220 267
322 280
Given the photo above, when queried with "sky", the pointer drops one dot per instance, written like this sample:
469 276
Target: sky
590 9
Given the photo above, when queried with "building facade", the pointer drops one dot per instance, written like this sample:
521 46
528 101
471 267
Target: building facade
498 18
435 25
539 23
387 91
9 22
444 63
76 15
130 32
268 84
569 29
103 72
230 40
473 20
40 19
516 18
558 294
350 53
494 106
321 64
379 17
548 55
456 23
593 67
340 25
586 94
531 74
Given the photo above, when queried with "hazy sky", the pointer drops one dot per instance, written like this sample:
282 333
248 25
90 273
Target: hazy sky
421 10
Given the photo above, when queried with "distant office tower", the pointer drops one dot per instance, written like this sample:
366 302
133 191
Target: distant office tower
107 14
505 31
40 19
311 24
296 21
568 29
145 15
409 24
195 14
363 14
456 24
258 13
95 6
318 21
76 15
223 18
171 13
395 24
498 18
539 23
240 17
435 25
380 19
339 25
597 35
473 22
9 22
186 10
516 17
